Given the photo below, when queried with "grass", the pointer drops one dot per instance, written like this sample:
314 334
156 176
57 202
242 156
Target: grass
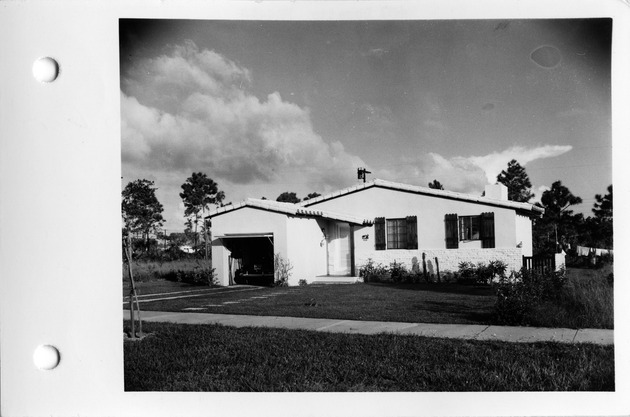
415 303
177 357
154 270
159 286
586 301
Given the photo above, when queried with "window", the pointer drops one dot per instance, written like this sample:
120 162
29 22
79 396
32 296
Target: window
396 233
469 227
466 228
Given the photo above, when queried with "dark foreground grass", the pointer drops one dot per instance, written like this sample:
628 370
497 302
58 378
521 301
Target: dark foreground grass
415 303
177 357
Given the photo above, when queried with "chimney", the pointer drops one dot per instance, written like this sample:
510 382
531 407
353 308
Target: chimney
497 192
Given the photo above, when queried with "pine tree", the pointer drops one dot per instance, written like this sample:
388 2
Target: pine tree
517 182
602 224
603 207
199 192
558 224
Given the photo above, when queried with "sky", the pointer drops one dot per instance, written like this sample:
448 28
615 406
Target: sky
264 107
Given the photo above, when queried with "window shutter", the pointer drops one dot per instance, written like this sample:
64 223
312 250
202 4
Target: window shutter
412 232
487 230
450 226
379 233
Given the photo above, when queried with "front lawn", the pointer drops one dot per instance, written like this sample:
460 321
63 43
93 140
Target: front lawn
178 357
584 301
159 286
414 303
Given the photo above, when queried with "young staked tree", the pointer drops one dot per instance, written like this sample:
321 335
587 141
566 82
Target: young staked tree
517 182
141 210
436 185
198 193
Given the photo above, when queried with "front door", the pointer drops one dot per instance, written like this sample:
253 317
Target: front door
339 253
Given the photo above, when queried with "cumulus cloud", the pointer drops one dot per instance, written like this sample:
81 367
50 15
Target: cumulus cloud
190 110
165 80
495 162
456 174
467 174
219 126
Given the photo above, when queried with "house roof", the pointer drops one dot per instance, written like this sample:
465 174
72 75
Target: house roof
425 191
290 209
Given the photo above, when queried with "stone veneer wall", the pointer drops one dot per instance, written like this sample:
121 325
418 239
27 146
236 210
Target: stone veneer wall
448 259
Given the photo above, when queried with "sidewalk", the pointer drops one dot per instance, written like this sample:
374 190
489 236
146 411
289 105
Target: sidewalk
458 331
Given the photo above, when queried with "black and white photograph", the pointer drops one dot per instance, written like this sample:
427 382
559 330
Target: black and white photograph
367 205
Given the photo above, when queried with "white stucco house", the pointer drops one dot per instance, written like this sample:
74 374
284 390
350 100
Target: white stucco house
335 234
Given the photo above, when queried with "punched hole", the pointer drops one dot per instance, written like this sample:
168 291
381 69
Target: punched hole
46 357
45 70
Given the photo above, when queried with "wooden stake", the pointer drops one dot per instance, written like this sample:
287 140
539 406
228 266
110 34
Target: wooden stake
437 267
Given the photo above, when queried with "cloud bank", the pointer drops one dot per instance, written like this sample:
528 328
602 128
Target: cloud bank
190 110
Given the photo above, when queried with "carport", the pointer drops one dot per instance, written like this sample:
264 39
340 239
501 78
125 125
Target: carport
250 258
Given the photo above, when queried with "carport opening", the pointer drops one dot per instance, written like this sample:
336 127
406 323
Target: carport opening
250 259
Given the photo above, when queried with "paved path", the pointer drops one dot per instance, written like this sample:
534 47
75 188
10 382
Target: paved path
459 331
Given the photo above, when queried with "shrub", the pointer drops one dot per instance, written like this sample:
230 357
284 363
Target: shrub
398 272
513 303
413 278
192 271
516 299
302 283
282 271
373 272
481 273
201 274
449 277
467 273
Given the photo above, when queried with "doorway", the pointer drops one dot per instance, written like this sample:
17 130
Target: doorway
250 260
339 249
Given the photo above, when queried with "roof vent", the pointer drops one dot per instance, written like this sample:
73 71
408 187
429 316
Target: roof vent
497 192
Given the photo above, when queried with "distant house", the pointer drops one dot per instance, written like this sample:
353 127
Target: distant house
335 234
